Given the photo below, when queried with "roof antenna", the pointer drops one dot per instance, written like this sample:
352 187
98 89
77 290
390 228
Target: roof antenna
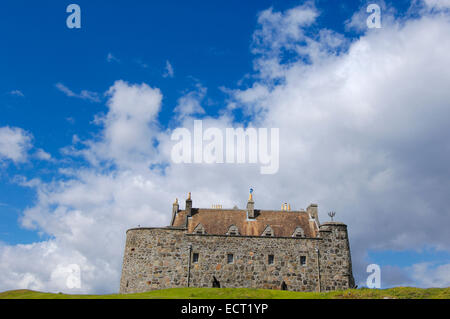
332 214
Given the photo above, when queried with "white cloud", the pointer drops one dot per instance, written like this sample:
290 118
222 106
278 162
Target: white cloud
437 4
92 206
362 132
278 30
84 94
358 21
168 72
422 275
43 155
142 64
70 119
190 103
17 93
111 58
431 275
65 90
14 144
129 126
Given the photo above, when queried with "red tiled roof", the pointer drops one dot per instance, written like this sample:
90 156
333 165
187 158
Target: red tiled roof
218 221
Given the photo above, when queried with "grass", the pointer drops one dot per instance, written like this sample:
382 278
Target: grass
245 293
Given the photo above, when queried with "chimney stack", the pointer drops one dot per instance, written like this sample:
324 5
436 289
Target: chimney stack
175 209
189 205
251 206
313 212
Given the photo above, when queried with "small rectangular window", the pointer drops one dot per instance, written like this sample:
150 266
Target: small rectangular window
195 257
230 258
270 260
303 260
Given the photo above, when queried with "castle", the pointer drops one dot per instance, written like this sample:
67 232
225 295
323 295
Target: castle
251 248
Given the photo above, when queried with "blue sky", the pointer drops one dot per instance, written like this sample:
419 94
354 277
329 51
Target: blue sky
45 68
206 42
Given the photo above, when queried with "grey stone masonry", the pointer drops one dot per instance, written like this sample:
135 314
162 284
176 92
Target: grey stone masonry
159 258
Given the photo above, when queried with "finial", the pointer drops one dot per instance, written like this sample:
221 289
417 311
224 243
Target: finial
250 197
189 196
176 201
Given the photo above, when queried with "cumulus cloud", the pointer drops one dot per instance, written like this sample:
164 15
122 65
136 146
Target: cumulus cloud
363 126
437 4
95 204
14 144
129 126
279 30
190 103
431 275
42 155
356 128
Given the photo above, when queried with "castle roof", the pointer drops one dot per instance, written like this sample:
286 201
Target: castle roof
217 221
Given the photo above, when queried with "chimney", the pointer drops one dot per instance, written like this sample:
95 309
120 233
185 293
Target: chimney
175 209
250 207
313 212
189 205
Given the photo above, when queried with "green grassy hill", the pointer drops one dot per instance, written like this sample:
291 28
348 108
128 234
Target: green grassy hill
244 293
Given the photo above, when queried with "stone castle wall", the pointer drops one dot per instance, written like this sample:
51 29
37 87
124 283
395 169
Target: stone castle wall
158 258
335 258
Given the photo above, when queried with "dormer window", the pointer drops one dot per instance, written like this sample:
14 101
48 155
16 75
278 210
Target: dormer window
199 229
298 232
268 232
233 231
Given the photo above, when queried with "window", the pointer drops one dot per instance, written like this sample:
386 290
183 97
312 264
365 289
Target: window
233 231
199 229
230 258
268 231
270 260
303 260
298 232
195 258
